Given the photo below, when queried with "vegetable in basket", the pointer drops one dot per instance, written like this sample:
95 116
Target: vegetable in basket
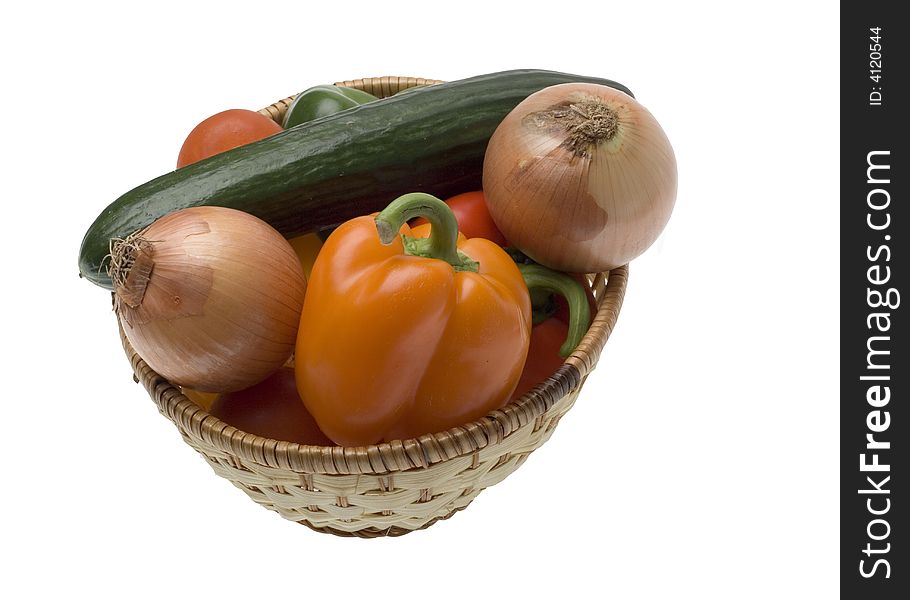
321 101
209 297
562 308
307 248
580 177
203 400
401 337
225 131
271 409
473 217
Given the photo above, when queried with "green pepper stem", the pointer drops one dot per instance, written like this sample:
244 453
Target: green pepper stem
440 244
540 277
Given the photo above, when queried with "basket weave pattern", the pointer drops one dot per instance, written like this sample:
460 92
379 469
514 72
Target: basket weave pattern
394 503
391 488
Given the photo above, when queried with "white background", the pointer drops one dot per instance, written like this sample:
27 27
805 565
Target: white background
701 458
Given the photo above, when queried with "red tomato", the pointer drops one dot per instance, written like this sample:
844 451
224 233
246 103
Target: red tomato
473 218
224 131
272 409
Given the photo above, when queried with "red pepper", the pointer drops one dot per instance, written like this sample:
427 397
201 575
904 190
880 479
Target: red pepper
556 298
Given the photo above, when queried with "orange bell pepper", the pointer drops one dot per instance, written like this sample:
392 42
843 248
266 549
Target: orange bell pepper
401 336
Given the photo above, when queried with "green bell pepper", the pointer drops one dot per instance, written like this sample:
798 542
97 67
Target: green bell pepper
323 100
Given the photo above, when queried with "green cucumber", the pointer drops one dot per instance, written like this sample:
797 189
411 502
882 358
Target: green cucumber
323 172
409 90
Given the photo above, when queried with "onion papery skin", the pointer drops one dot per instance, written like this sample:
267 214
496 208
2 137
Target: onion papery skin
220 309
573 204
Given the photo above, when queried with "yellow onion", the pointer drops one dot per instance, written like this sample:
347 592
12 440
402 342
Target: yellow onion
209 297
580 177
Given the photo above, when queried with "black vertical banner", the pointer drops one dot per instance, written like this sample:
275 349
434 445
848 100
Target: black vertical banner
874 374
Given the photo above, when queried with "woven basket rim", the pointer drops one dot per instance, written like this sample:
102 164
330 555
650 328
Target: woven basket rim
397 455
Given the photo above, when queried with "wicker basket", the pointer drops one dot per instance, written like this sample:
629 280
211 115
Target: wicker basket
391 488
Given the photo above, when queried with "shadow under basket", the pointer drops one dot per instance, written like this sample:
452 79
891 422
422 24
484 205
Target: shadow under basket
392 488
